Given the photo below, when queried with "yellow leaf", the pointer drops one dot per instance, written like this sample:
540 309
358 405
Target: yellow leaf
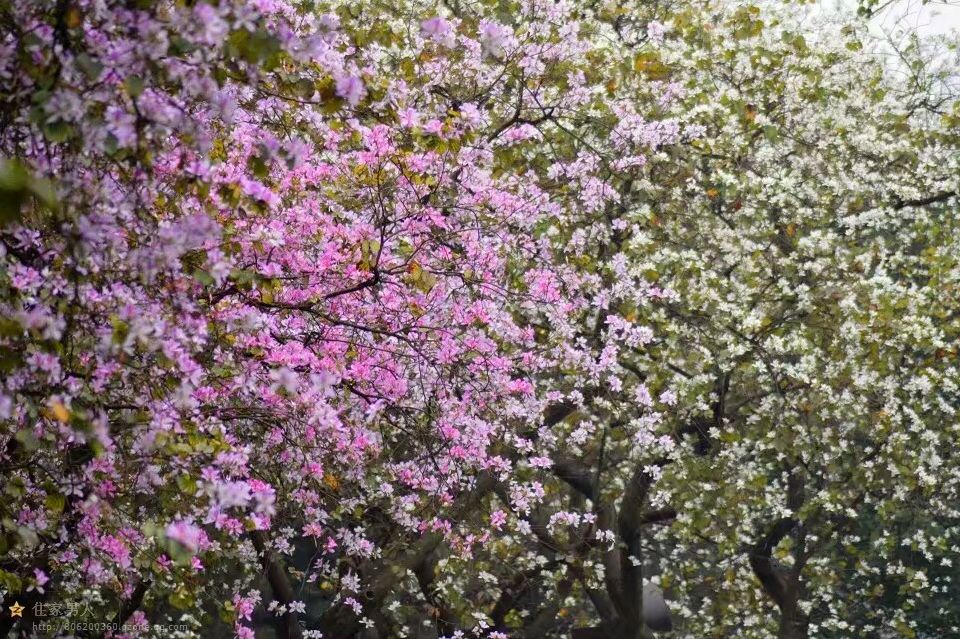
331 481
59 412
74 18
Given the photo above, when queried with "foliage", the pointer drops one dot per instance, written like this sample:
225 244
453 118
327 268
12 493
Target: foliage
478 319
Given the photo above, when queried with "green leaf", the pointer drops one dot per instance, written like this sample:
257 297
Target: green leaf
90 67
422 279
181 598
134 86
27 439
13 189
28 537
15 487
203 277
57 131
187 484
55 502
10 581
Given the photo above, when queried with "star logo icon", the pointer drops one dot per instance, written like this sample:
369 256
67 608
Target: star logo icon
16 610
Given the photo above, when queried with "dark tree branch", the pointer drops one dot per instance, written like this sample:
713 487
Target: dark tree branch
577 475
339 621
658 516
279 583
943 196
772 579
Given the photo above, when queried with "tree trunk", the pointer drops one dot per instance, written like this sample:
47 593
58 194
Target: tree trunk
793 625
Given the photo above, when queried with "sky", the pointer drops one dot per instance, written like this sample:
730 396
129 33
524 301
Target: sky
937 17
937 22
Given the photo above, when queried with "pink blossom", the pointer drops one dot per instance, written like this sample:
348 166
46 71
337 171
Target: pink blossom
493 38
351 89
655 31
439 30
185 533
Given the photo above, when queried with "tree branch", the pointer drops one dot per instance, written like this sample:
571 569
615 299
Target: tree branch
277 578
943 196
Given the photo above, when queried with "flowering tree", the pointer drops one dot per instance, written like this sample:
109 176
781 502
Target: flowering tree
281 282
776 457
820 327
484 319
